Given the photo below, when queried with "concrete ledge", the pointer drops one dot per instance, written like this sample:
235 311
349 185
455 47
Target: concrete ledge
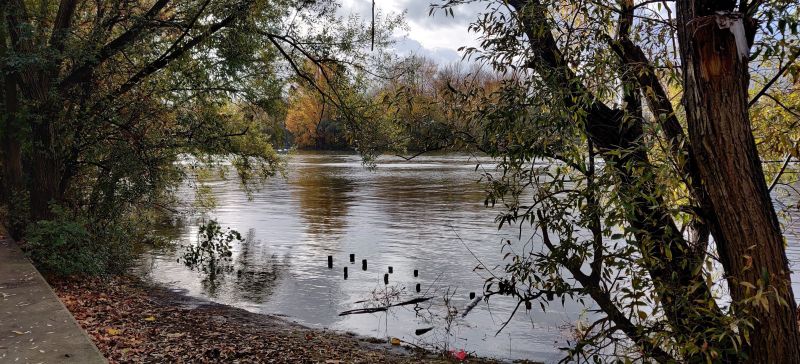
35 327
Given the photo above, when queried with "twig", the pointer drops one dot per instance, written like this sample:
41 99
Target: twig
380 309
780 173
778 75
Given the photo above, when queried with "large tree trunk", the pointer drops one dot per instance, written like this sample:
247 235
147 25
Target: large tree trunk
714 55
13 182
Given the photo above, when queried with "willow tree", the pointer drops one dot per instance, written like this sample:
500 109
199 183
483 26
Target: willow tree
653 202
103 99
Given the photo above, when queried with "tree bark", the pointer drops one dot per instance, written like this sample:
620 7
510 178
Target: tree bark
13 182
687 301
714 51
44 171
12 149
35 86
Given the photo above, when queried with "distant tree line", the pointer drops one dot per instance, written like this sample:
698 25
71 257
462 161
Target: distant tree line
413 98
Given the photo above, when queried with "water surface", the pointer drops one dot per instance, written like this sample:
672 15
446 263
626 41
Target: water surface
426 214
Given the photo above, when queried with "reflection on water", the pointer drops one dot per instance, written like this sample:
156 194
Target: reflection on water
407 215
786 199
257 270
324 198
250 276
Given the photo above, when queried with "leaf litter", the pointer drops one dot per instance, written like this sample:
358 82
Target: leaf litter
131 321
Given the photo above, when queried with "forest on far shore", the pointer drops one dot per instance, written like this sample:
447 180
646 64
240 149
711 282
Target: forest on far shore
418 95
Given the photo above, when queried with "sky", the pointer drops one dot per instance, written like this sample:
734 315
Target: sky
437 36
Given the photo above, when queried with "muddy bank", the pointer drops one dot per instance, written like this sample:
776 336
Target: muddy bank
133 322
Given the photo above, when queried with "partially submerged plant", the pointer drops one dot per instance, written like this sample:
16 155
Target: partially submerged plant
213 247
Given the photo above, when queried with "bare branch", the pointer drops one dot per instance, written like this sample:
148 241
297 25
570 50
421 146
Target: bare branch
775 78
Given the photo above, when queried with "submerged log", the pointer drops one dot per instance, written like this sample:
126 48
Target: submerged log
363 310
384 308
471 305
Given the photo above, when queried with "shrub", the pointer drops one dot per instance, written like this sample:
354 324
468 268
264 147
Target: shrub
66 245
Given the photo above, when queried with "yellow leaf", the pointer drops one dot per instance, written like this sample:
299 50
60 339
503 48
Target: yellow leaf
395 341
150 318
113 331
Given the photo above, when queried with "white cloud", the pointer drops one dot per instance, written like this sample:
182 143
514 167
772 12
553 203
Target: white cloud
437 36
405 46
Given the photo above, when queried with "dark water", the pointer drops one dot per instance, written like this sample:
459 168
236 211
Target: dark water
426 214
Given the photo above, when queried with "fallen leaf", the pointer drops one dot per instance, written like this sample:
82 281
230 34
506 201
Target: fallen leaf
113 331
395 341
150 318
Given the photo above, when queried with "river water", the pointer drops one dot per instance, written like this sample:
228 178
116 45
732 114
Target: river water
426 215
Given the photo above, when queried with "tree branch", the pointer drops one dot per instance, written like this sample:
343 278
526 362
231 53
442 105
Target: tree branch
603 299
775 78
166 58
80 73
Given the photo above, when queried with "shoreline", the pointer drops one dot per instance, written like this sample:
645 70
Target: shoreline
131 320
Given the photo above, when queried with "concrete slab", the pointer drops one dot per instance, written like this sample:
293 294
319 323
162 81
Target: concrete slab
35 327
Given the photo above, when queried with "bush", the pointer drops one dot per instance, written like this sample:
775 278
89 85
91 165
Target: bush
14 214
66 245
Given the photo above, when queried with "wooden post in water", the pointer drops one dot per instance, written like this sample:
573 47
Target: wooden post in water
416 273
386 278
352 258
418 288
330 261
472 295
363 264
345 272
391 270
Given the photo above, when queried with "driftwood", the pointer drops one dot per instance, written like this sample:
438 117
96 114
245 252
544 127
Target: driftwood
363 310
381 309
471 305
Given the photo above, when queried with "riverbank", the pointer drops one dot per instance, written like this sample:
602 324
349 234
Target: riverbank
131 321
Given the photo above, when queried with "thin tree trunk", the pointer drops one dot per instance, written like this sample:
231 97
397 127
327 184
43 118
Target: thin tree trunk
44 171
714 55
12 152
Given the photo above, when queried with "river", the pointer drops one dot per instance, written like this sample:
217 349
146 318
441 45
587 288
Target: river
426 214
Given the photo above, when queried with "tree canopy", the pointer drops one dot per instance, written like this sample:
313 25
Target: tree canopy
106 104
640 141
653 201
